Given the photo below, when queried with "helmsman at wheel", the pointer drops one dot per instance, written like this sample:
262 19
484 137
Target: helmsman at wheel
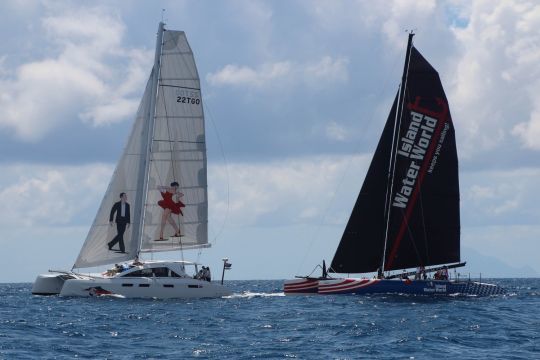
123 219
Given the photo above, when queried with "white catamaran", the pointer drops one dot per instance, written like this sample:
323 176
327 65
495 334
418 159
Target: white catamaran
157 198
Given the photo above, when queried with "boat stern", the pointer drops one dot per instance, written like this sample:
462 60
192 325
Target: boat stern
49 283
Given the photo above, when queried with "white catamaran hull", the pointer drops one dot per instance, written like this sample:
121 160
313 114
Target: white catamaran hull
50 283
163 288
156 279
167 288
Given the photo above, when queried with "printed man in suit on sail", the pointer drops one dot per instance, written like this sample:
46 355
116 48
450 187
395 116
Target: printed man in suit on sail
123 219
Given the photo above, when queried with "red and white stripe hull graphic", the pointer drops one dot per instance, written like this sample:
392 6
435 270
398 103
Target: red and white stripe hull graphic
344 286
330 286
301 286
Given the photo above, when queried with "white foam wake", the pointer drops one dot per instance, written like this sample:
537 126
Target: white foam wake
249 295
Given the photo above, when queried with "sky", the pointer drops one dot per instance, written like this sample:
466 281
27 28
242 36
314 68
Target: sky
296 95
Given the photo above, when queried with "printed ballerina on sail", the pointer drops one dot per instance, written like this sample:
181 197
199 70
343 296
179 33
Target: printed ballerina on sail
407 213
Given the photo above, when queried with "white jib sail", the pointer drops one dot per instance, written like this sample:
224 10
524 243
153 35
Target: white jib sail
176 208
95 250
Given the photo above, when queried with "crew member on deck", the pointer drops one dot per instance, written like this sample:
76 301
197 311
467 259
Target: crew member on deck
444 273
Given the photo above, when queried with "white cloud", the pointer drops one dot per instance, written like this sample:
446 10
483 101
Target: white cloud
497 78
529 132
115 110
327 69
497 197
256 18
39 195
286 191
334 131
317 74
83 80
244 75
391 18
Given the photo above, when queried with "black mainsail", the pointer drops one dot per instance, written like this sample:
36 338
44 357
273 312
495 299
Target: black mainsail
407 212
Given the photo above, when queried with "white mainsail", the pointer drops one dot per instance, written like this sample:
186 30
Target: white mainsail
171 116
178 153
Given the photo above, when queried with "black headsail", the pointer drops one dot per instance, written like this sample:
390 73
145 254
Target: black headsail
410 196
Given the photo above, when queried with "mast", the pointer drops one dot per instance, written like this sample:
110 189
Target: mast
146 142
397 124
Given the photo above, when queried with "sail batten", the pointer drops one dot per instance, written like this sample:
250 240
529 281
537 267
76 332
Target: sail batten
422 210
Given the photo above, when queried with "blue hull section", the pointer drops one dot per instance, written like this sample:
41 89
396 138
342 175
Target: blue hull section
435 287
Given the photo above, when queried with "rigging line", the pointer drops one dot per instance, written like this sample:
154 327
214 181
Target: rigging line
151 129
412 238
154 163
370 120
171 145
389 181
211 117
423 223
399 117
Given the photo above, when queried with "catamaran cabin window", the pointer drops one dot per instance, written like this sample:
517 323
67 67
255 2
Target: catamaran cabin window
140 273
157 272
161 272
173 274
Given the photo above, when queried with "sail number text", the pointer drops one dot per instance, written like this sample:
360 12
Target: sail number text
187 100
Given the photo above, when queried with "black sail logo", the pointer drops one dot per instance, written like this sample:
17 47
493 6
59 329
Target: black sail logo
424 135
414 146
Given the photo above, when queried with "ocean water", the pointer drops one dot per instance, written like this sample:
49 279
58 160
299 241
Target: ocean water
259 322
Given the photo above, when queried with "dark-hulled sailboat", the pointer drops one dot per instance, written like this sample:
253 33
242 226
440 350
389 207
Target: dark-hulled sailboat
407 213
